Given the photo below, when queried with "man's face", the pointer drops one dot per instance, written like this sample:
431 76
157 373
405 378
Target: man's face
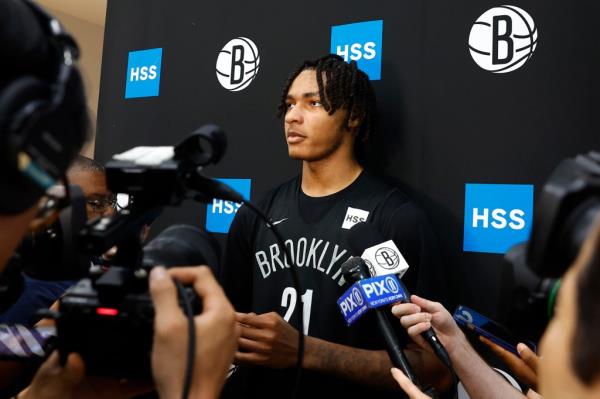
557 379
93 185
311 133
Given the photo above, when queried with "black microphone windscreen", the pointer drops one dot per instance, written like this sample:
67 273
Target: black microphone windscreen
183 245
362 236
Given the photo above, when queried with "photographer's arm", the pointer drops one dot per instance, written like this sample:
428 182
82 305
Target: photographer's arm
216 334
480 380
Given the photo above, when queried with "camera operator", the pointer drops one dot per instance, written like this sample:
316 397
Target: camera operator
570 366
42 286
42 101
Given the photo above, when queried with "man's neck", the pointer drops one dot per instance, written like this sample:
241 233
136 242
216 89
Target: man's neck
330 175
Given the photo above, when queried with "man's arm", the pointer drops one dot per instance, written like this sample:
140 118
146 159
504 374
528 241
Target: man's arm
268 340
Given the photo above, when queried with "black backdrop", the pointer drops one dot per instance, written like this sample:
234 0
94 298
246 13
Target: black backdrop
444 120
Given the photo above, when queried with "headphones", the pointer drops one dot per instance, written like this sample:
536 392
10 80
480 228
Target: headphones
43 122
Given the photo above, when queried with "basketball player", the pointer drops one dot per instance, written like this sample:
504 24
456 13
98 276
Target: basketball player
328 107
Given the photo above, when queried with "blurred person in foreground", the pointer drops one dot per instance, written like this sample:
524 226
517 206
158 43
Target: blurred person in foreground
43 120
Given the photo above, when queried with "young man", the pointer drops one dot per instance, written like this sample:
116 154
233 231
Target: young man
570 347
329 111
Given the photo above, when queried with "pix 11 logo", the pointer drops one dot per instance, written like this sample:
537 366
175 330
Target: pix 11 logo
220 213
143 73
497 216
361 42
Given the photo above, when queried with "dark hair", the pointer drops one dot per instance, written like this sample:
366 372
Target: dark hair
586 340
83 163
345 87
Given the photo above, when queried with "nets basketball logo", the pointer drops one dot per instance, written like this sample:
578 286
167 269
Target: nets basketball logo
237 64
387 258
503 39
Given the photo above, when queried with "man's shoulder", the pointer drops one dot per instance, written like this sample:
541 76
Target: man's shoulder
284 189
391 194
267 201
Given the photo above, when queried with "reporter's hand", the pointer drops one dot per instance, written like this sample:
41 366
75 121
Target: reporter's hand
54 381
422 314
216 333
407 385
266 340
525 366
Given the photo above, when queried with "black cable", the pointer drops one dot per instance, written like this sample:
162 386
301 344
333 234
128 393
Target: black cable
189 368
296 281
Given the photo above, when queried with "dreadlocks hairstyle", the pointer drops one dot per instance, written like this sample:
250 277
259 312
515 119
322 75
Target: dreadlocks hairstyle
341 86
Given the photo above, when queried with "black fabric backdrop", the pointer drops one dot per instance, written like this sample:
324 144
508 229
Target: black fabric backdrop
444 120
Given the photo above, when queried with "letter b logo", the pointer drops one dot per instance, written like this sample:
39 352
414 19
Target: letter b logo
237 64
503 39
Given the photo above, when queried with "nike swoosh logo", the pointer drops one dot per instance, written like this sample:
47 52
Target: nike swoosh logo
279 221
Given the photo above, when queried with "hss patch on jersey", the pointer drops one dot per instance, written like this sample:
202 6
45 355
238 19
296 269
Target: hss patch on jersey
354 216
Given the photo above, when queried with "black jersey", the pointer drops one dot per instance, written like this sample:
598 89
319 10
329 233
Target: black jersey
256 278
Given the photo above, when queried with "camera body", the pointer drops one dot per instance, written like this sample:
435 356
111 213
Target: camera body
114 339
108 317
109 322
566 210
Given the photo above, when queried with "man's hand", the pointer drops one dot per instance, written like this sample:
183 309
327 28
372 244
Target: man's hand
266 340
421 315
53 381
407 385
216 333
525 366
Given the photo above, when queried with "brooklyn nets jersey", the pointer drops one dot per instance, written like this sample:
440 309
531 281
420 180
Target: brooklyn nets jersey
256 278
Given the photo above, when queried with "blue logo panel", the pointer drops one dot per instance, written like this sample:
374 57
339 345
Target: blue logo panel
220 213
497 216
382 290
143 73
361 42
370 293
352 304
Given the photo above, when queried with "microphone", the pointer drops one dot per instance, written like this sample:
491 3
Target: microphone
384 258
368 292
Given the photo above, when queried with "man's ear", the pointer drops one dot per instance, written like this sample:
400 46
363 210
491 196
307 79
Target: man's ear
354 123
355 120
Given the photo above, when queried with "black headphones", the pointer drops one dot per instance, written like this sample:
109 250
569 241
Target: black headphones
43 121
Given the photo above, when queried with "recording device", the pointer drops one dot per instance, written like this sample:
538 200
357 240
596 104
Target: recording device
355 270
369 293
384 258
567 206
108 316
470 320
52 254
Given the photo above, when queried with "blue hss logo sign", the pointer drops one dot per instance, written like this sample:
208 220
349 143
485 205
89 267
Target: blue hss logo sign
143 73
360 42
382 290
497 216
220 213
370 293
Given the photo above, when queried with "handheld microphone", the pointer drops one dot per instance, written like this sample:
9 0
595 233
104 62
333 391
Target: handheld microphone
383 258
355 270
